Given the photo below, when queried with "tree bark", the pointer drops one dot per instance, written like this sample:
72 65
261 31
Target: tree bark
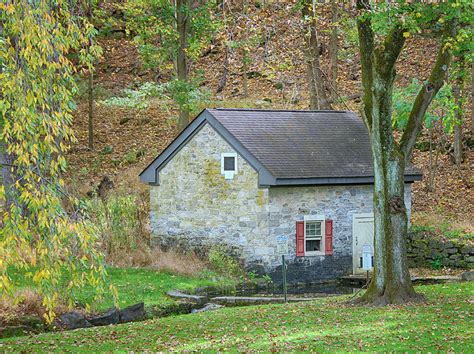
458 153
90 90
182 25
6 160
472 101
317 94
333 49
7 175
245 53
91 111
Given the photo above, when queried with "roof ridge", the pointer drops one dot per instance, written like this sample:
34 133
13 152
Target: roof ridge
279 110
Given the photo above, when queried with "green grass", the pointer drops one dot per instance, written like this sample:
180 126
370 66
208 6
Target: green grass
444 323
145 285
136 285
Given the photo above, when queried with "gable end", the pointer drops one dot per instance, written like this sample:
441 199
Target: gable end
150 174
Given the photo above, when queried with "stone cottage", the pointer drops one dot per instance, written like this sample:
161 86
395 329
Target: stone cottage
267 182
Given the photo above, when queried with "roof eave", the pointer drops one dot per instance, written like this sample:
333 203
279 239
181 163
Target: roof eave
324 181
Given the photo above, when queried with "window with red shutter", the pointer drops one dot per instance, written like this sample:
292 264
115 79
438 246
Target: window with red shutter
300 238
328 237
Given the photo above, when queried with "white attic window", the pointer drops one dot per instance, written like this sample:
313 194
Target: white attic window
229 164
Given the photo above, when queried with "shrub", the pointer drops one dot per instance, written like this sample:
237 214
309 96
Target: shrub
437 263
222 262
118 220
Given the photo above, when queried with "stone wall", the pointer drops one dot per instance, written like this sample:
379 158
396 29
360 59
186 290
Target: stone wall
194 207
338 203
425 249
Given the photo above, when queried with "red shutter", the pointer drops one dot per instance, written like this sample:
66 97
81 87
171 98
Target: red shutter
328 238
300 238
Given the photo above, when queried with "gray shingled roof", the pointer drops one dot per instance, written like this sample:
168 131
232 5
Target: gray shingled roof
303 144
288 147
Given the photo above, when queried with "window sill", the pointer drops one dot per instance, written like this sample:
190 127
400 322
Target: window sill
314 254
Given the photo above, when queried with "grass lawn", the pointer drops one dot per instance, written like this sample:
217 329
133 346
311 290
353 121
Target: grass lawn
138 285
445 323
145 285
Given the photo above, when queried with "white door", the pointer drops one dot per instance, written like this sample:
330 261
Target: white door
362 235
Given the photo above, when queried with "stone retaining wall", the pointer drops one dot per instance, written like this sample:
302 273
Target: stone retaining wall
425 249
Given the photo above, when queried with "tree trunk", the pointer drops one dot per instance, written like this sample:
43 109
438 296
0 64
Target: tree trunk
317 95
458 155
472 101
333 50
182 25
7 175
91 111
245 53
391 282
225 71
225 64
90 89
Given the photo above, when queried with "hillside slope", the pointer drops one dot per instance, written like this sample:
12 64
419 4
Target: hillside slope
127 139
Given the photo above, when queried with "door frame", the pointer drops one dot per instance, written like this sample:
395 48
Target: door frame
354 221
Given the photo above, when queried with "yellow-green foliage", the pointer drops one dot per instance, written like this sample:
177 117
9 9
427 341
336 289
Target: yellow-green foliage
223 263
117 220
37 235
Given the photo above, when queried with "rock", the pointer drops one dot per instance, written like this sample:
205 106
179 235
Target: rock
112 316
279 85
467 276
13 331
208 307
452 250
194 298
124 120
104 187
470 259
133 313
261 103
73 320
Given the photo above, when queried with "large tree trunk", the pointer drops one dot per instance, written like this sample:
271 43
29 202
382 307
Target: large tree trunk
317 94
391 282
182 25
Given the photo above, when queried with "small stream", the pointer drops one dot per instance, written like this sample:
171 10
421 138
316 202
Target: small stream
308 290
